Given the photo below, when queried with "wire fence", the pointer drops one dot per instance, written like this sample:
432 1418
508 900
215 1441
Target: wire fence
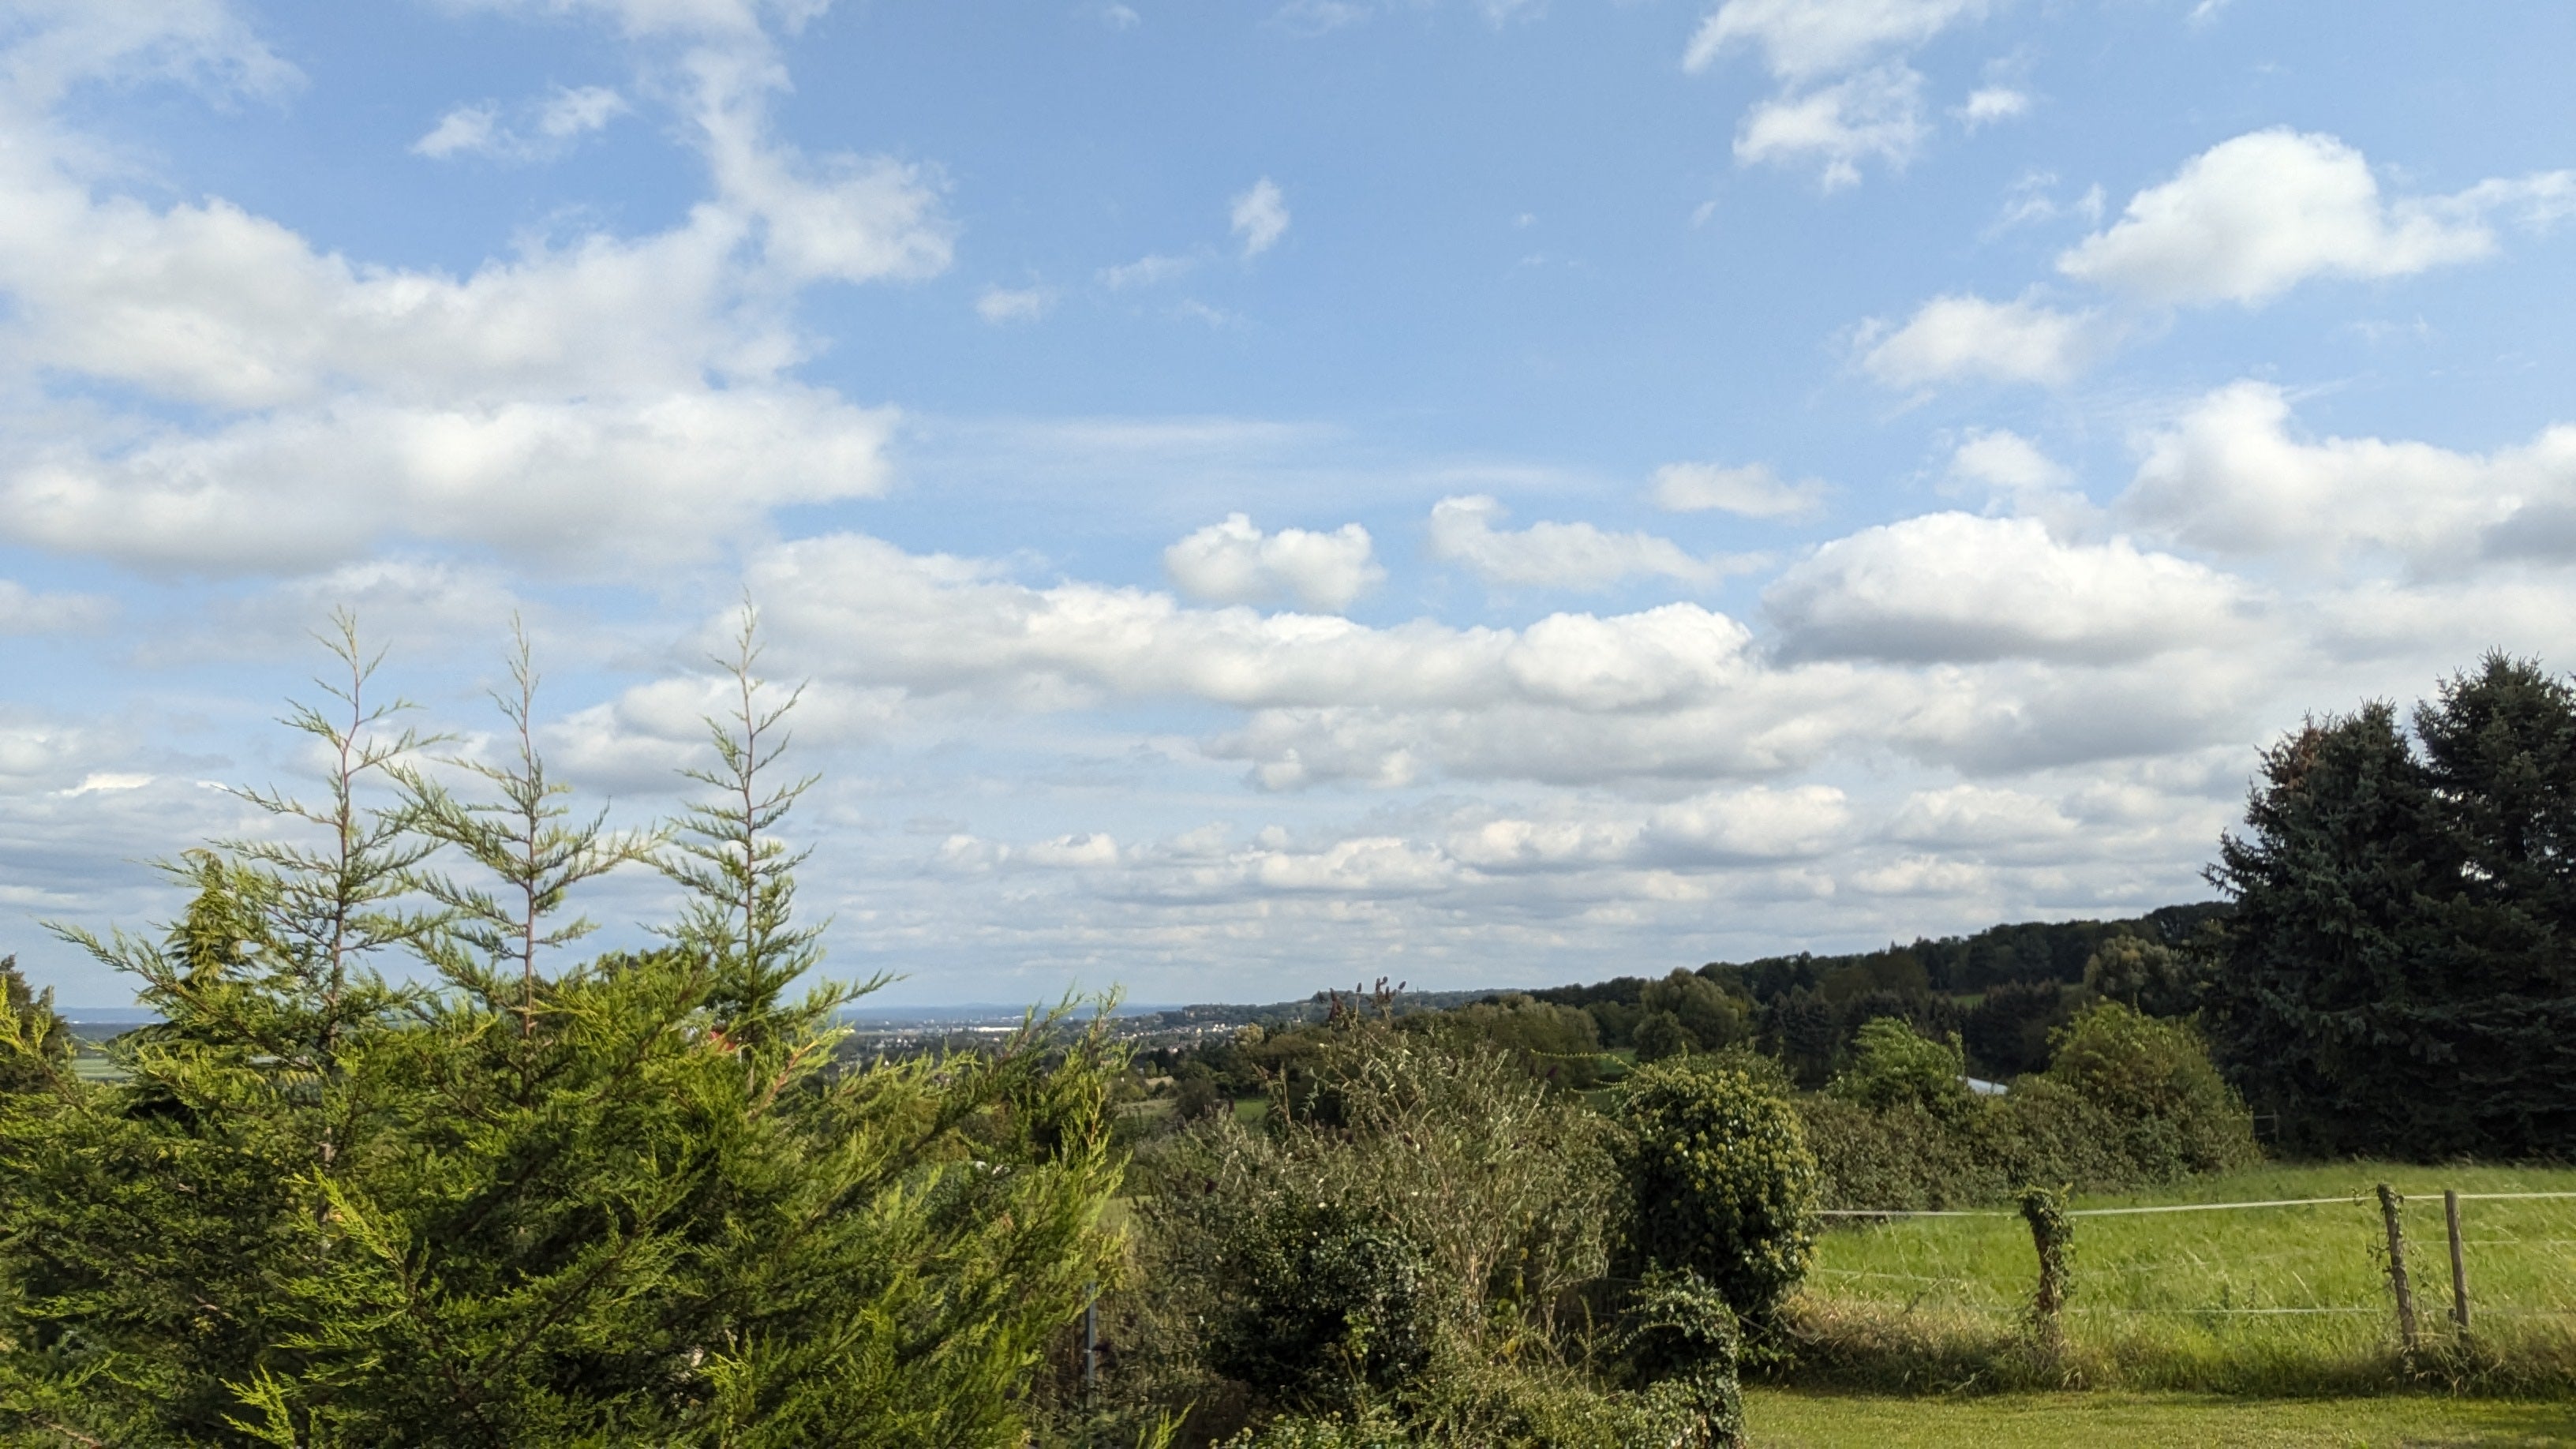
2241 1275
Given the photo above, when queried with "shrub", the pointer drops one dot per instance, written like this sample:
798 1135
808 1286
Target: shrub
2154 1080
1893 1063
1723 1184
1323 1303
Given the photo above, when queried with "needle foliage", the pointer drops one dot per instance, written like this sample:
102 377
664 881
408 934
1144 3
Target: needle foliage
395 1168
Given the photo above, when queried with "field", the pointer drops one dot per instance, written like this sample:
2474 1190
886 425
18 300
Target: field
2284 1300
1792 1419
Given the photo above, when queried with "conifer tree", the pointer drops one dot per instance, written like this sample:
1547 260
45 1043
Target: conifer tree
636 1199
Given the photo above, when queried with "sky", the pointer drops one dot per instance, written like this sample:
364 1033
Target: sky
1262 496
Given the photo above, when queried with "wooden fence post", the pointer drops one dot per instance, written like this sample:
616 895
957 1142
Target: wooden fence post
2053 1236
2388 1201
2459 1267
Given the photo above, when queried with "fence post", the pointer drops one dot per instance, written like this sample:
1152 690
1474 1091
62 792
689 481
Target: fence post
2053 1237
2388 1201
2459 1267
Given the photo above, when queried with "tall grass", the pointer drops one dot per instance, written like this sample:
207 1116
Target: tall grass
2290 1300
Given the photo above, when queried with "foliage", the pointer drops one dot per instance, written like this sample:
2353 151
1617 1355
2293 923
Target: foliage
2149 976
35 1043
1559 1045
2130 1101
1325 1304
2399 974
1723 1185
1892 1063
1505 1188
622 1200
1687 1012
2006 1032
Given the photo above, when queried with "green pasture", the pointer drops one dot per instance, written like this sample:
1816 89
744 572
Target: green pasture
1795 1419
2259 1300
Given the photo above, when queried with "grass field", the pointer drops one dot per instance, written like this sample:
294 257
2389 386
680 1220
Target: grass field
2273 1300
1791 1419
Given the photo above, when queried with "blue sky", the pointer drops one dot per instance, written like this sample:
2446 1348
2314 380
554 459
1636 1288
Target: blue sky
1270 495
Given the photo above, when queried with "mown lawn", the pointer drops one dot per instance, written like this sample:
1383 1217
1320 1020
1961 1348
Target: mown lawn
2268 1300
1792 1419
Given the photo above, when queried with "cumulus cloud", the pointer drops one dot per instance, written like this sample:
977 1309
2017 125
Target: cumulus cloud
1753 491
1977 816
2019 478
1234 562
1843 98
26 611
1802 39
623 391
1260 217
1574 556
1956 587
1962 336
2252 217
1013 304
2230 475
1874 115
1145 271
550 129
1988 104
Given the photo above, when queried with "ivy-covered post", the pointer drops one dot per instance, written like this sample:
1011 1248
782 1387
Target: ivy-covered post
2388 1204
2054 1237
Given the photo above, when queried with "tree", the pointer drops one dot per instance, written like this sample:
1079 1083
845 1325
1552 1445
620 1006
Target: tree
2399 974
627 1199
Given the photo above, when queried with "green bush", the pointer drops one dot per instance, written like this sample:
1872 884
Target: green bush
1324 1304
2130 1102
1893 1063
1720 1176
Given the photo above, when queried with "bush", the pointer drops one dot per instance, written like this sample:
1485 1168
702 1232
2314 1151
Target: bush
1892 1063
1323 1303
2130 1102
1723 1184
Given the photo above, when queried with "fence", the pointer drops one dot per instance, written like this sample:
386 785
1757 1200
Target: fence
2052 1228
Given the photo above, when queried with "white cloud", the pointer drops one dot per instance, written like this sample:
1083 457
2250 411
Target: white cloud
2252 217
1755 824
1120 17
1845 94
1988 104
1977 815
2012 472
2230 476
1555 555
25 611
700 19
664 478
1260 217
1962 336
553 125
624 392
1956 587
204 44
1803 39
1753 491
1236 563
2031 200
1145 271
1876 114
1014 304
466 130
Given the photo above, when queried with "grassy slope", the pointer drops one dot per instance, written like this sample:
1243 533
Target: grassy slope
2194 1300
1782 1418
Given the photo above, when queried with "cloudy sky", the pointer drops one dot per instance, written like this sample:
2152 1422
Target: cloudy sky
1267 495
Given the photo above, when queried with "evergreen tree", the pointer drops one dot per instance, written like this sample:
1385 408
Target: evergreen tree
631 1199
2399 975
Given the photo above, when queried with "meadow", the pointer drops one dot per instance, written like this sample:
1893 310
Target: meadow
2256 1301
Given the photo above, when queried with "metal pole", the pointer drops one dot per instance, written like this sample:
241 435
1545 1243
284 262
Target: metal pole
2459 1266
2388 1201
